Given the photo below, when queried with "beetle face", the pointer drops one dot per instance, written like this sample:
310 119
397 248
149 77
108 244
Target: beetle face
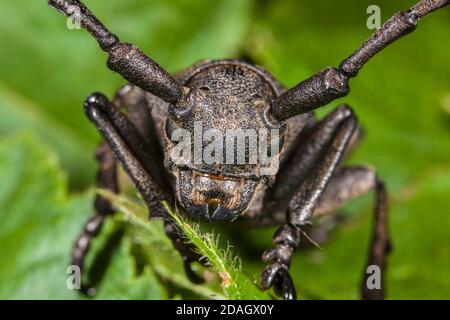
221 144
213 197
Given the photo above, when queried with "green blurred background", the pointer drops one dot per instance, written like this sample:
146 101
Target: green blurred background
402 98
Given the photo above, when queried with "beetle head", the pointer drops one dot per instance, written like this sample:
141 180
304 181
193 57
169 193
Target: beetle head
222 144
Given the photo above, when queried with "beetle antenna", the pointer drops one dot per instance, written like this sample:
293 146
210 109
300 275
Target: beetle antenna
124 58
333 83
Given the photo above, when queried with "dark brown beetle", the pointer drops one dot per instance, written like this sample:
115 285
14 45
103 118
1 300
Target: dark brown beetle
235 95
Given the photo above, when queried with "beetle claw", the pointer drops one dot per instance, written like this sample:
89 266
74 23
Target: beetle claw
276 275
284 286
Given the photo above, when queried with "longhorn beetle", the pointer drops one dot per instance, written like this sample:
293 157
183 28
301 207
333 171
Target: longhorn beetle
233 94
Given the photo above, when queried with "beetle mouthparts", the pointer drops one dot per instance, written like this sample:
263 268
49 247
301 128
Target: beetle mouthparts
213 197
212 212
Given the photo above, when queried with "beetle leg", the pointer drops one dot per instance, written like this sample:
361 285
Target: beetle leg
302 206
276 275
380 245
135 155
304 158
348 183
138 111
106 179
124 141
332 83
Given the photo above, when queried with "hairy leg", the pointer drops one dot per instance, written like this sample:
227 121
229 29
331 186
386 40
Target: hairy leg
130 150
138 110
113 146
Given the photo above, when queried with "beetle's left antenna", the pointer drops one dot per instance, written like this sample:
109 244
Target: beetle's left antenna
124 58
333 83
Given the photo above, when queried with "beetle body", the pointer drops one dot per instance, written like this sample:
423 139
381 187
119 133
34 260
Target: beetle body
236 144
224 96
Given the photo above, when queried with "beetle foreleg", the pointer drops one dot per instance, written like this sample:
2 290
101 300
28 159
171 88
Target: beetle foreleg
301 209
348 183
125 141
304 158
134 154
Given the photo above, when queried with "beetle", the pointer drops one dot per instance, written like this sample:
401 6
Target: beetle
301 180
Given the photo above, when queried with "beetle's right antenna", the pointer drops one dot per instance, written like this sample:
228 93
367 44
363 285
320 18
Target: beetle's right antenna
124 58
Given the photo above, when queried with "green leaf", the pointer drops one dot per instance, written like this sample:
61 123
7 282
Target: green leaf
401 98
19 113
113 261
154 248
235 283
39 225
